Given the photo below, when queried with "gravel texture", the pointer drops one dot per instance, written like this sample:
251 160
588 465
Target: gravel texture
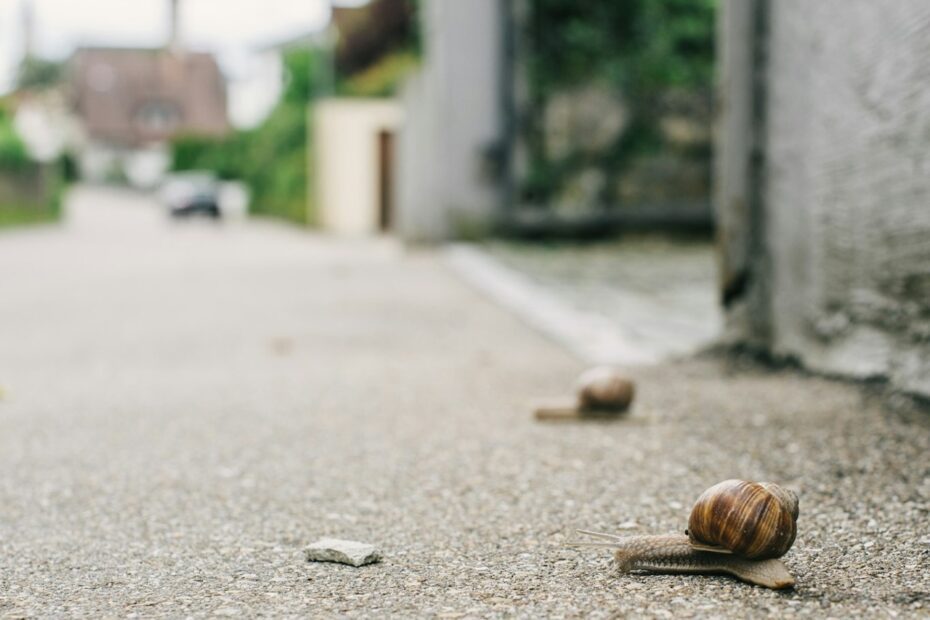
187 407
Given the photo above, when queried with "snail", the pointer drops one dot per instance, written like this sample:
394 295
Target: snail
736 527
601 391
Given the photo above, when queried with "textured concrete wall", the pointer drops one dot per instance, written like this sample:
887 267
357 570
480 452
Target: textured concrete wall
453 117
845 187
739 142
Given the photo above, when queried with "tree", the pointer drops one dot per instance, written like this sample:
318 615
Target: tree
36 73
12 150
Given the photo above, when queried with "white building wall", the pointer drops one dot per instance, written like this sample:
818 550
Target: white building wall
142 167
146 167
345 143
98 162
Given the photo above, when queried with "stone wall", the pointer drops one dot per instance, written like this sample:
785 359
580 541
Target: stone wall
583 124
824 200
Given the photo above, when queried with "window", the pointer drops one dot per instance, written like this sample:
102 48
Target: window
158 116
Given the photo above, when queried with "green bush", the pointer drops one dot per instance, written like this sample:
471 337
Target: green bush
641 46
272 158
13 155
382 79
278 172
15 163
18 211
224 156
644 50
38 74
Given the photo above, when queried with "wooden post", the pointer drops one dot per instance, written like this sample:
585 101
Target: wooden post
385 180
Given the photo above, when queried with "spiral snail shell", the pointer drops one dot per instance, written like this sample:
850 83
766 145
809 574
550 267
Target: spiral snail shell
604 388
755 520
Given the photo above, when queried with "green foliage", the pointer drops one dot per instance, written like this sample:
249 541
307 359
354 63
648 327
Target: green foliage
20 210
13 153
37 73
18 207
306 75
383 74
277 174
19 215
636 45
643 50
383 78
224 156
272 158
415 45
69 168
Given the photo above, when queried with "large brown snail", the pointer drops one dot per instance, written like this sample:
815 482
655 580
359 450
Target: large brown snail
736 527
601 391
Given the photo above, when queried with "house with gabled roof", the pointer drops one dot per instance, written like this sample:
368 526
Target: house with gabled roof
130 103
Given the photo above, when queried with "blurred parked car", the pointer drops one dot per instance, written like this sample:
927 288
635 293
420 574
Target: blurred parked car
191 193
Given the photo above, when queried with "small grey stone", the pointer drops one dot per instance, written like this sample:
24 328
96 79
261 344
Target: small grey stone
342 551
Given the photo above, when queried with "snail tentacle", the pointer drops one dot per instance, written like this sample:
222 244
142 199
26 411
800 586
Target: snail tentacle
603 535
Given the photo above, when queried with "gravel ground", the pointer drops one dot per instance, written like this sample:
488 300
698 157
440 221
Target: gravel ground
185 408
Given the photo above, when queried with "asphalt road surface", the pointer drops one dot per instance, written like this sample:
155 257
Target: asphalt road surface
186 406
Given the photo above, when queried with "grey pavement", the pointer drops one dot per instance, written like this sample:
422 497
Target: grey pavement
659 293
185 407
634 301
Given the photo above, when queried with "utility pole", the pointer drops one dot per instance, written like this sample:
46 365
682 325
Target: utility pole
332 40
174 26
27 17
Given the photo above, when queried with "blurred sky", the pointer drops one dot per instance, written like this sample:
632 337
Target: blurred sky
229 27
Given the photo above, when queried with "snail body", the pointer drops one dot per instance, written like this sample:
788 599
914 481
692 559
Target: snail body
736 527
675 554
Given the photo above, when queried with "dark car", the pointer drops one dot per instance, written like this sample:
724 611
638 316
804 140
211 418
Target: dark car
191 194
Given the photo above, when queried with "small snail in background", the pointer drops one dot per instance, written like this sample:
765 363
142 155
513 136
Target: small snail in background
601 392
736 527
